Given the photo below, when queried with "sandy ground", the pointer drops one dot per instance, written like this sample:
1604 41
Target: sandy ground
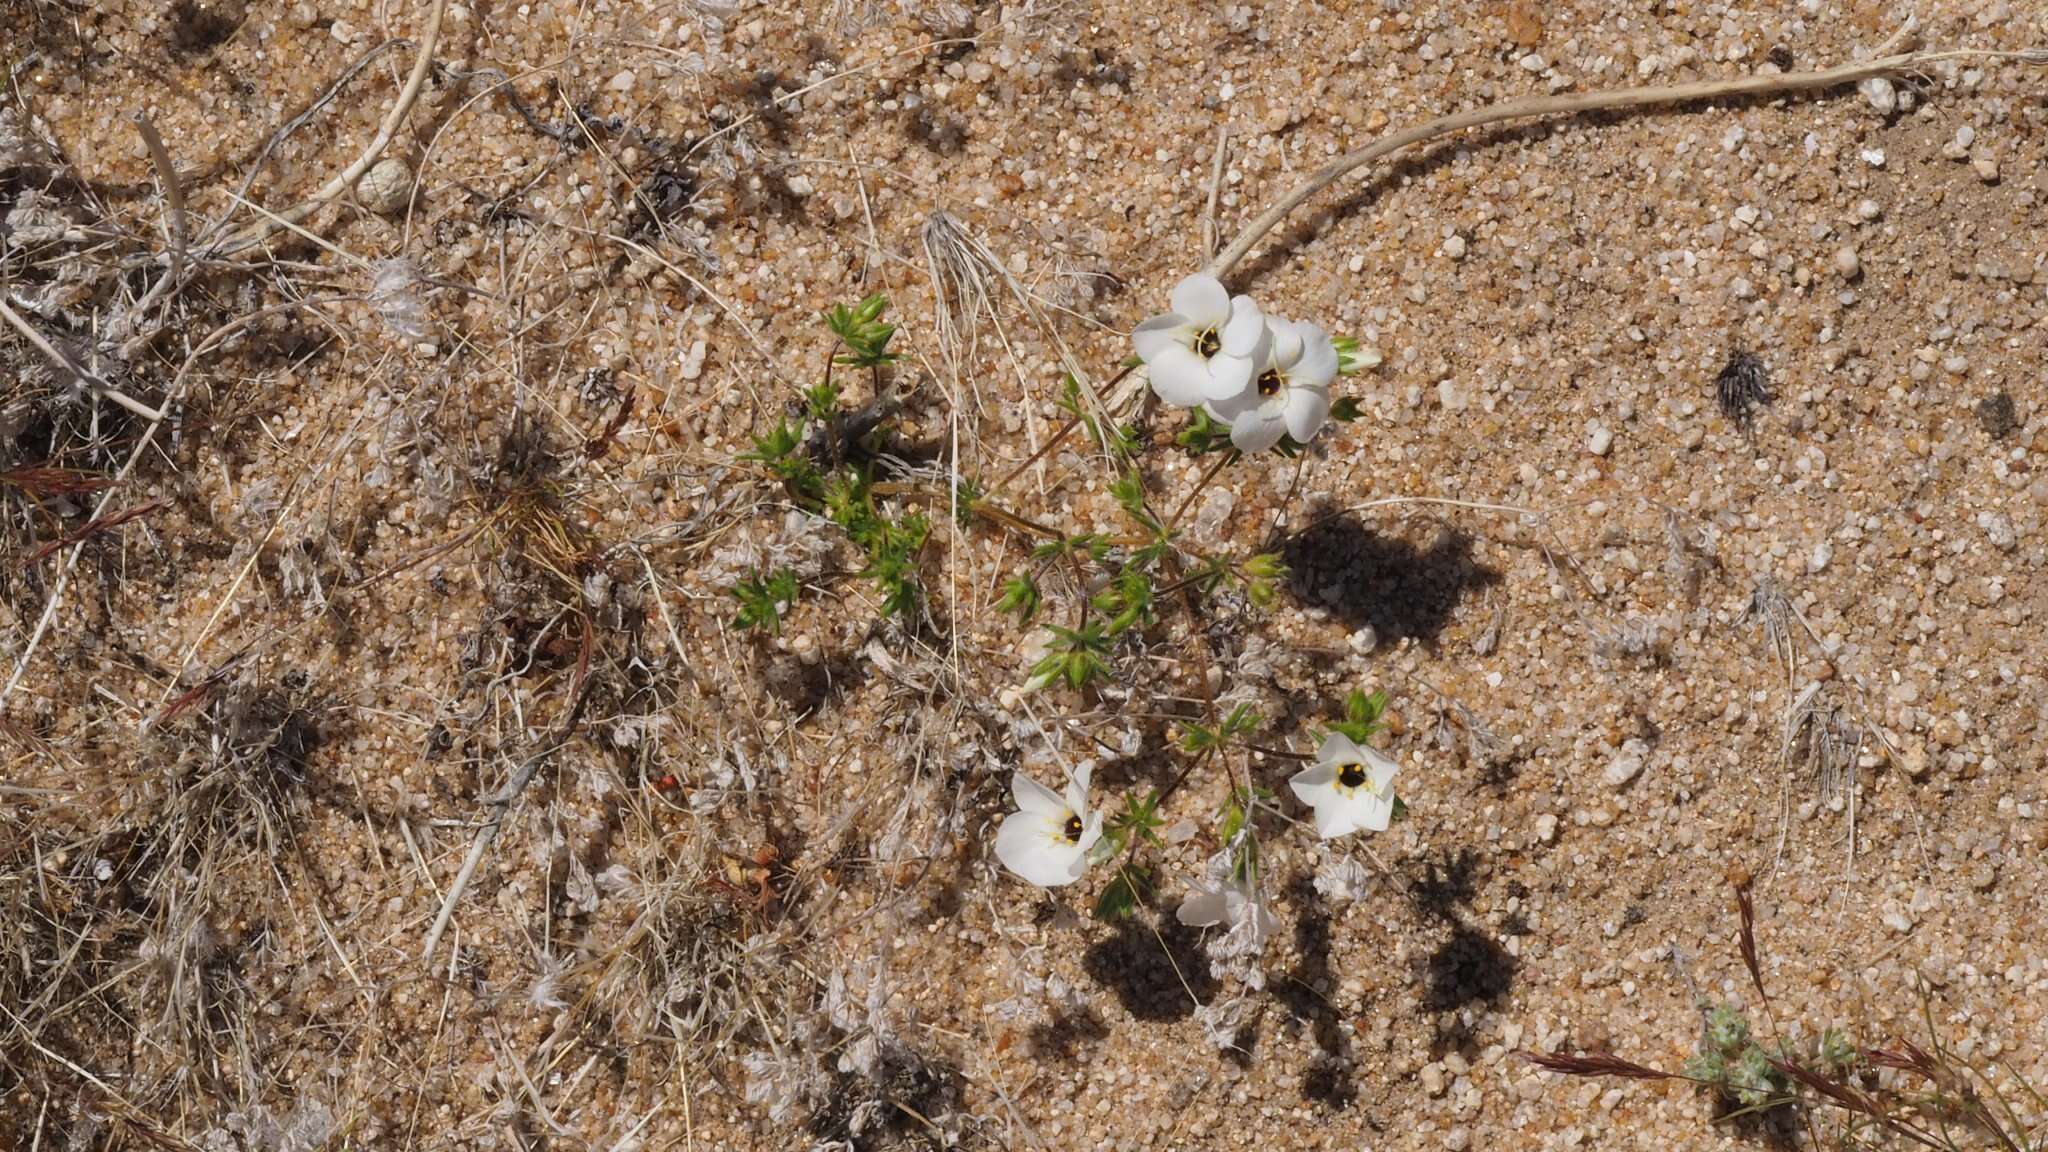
748 901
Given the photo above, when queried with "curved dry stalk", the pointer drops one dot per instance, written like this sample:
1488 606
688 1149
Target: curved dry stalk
261 230
1535 107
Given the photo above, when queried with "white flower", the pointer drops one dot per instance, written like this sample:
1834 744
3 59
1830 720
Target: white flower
1206 348
1351 788
1048 838
1290 394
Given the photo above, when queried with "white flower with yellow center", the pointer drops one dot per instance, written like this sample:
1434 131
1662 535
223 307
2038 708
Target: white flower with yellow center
1290 394
1048 838
1205 349
1350 787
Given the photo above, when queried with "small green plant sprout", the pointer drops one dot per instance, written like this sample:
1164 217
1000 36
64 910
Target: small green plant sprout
1118 441
763 600
781 451
1197 738
1262 576
967 494
1077 656
1203 434
892 544
1731 1064
1351 784
1833 1072
1020 596
1136 827
821 401
861 330
1353 357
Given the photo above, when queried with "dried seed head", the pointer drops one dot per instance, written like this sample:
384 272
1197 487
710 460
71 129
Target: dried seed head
386 187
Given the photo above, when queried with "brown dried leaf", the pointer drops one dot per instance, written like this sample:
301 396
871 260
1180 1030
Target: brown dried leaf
1592 1064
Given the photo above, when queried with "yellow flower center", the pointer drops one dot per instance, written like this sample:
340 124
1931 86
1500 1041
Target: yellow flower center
1208 343
1351 776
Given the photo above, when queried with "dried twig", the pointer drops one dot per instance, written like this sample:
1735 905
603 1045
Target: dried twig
501 804
1594 1064
1580 102
88 380
261 230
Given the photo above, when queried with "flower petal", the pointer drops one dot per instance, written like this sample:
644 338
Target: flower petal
1203 300
1259 430
1382 769
1203 908
1077 788
1230 376
1313 785
1036 798
1180 377
1336 818
1032 848
1335 749
1307 408
1375 812
1246 329
1091 834
1156 335
1318 361
1231 408
1287 342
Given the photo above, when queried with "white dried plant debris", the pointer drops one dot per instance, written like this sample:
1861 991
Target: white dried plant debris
1342 880
618 881
19 148
965 275
35 220
632 731
1226 897
783 1079
730 774
1636 639
857 1003
395 295
545 993
298 576
579 888
1224 1020
801 545
1037 999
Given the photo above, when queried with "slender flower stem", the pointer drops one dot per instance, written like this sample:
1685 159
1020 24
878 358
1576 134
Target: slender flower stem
1174 520
1058 437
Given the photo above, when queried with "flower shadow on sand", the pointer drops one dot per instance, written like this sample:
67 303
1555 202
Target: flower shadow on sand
1153 970
1401 589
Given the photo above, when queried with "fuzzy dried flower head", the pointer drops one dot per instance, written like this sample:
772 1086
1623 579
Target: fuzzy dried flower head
1047 840
1228 895
1350 786
1206 348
